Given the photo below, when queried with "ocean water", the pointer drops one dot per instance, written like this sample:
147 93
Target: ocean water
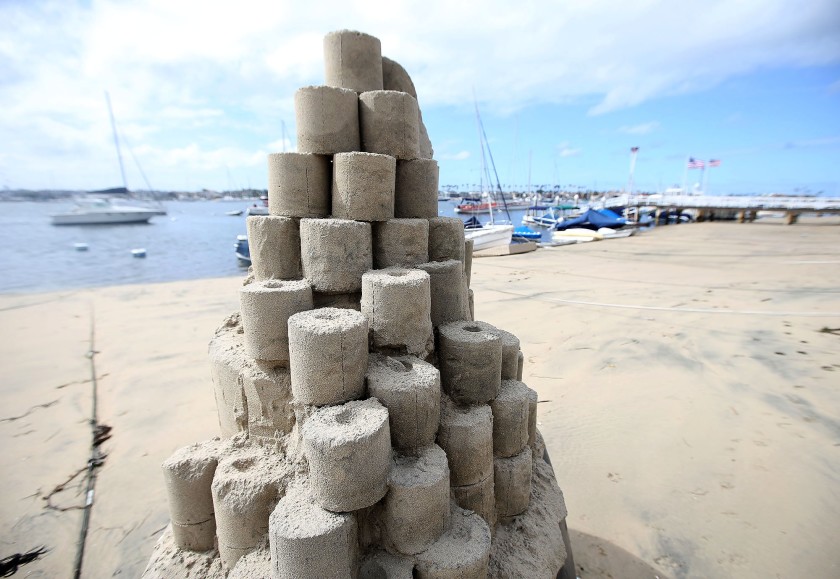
194 240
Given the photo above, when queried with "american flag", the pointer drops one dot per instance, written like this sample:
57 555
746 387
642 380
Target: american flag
695 163
634 149
714 162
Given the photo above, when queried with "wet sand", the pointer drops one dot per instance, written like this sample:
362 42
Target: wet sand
689 384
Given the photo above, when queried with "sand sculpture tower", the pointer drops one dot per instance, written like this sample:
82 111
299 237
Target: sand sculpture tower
369 426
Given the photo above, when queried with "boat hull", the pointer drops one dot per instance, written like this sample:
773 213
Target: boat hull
103 218
489 236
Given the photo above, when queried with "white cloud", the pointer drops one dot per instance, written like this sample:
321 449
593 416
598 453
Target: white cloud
196 72
642 129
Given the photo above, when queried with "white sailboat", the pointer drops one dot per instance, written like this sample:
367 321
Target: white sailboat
101 210
490 234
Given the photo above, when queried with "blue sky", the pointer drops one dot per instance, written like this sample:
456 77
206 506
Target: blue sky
201 90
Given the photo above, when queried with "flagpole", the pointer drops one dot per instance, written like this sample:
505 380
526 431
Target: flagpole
633 152
685 174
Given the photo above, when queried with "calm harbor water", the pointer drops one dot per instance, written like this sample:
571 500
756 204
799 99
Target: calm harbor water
193 241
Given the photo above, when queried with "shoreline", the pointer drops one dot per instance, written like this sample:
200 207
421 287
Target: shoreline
641 405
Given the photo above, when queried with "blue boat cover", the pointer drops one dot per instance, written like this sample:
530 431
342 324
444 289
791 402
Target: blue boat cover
594 219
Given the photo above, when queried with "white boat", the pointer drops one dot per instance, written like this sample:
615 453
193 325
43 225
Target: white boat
489 235
578 234
102 211
610 233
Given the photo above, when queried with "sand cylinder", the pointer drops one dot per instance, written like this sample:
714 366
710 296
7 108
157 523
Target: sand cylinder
385 565
533 402
446 239
349 453
425 149
268 394
511 413
395 77
466 434
400 242
520 365
243 498
416 190
397 303
351 301
363 186
308 542
512 478
410 389
469 244
388 122
448 291
479 497
266 306
328 355
274 243
353 60
187 475
462 552
299 185
327 120
510 354
470 361
417 503
335 253
227 357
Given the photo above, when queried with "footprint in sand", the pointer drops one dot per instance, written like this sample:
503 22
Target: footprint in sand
614 477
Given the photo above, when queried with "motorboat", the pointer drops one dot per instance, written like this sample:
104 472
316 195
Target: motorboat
475 207
547 216
242 250
259 209
103 211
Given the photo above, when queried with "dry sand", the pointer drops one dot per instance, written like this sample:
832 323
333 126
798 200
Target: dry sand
689 399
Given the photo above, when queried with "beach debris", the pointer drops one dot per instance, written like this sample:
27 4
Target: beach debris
30 411
370 426
139 252
11 564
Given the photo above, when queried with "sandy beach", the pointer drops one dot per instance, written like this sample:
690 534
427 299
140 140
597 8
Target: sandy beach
689 384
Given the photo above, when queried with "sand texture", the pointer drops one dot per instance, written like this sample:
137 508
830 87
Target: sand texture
687 377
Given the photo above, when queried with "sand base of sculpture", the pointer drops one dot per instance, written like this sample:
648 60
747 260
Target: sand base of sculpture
527 545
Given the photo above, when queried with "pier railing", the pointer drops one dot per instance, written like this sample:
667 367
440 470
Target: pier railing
740 203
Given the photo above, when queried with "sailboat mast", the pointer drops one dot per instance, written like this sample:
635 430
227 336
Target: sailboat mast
116 139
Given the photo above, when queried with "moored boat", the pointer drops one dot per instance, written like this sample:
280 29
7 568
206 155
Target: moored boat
242 250
475 206
578 234
102 211
490 235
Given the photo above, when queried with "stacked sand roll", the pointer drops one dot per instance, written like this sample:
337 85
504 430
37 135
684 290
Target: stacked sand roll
369 426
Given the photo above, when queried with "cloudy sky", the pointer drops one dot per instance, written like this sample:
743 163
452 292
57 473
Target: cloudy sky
203 90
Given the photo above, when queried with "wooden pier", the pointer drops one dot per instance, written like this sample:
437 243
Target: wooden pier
742 208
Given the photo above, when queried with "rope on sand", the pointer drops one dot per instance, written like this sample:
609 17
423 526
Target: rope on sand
99 434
